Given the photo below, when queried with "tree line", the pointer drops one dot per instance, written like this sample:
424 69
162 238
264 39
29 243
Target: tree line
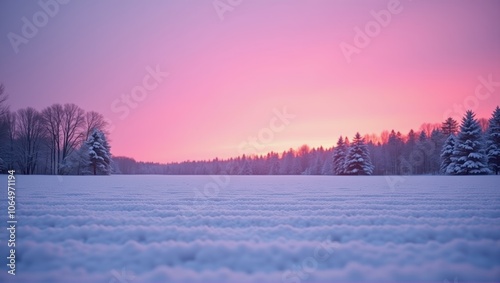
65 139
60 139
434 150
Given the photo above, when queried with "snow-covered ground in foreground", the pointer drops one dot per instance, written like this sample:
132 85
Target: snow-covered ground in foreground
259 229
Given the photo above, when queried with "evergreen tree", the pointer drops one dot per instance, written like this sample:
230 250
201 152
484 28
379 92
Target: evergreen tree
421 165
468 154
327 165
317 164
296 167
394 148
339 156
358 159
410 144
447 155
274 168
288 158
99 153
493 141
449 127
347 142
246 169
437 141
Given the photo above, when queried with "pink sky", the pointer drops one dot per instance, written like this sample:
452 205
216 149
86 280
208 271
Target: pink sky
227 75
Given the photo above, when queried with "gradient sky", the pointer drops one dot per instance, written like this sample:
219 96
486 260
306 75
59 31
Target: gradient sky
227 75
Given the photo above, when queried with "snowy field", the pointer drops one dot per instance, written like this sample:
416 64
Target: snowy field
259 229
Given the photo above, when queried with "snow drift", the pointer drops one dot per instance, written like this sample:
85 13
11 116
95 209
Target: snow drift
255 229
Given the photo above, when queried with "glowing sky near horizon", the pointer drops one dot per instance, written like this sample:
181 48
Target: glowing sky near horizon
227 76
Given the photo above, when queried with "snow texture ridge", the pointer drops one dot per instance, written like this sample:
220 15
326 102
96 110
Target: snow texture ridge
255 229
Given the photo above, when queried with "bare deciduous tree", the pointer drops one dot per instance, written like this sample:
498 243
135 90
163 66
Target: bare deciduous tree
52 117
73 121
7 136
30 132
94 121
3 98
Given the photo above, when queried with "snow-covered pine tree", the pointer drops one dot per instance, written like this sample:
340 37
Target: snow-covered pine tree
99 153
358 158
493 142
446 155
339 156
469 156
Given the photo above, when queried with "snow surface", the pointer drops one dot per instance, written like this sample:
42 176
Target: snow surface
255 229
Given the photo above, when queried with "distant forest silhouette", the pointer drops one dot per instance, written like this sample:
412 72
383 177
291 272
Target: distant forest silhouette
66 140
391 153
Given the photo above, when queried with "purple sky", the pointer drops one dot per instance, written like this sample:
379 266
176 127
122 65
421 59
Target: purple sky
227 74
